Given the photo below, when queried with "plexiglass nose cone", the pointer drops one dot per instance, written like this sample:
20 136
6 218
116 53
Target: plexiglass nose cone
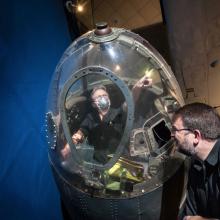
120 163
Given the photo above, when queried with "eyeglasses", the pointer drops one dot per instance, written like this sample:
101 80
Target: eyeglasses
174 130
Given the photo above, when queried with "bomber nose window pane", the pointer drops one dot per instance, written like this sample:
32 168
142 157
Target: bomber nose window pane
96 119
108 124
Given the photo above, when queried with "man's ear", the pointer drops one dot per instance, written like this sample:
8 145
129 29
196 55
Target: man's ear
197 136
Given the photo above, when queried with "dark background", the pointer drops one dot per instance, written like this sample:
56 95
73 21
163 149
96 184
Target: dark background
33 37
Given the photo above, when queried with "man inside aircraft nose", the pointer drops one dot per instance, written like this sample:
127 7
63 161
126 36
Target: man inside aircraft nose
102 126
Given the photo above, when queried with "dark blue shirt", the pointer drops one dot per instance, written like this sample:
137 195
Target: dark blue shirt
203 196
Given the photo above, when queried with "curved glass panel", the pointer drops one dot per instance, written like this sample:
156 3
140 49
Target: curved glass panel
95 118
115 140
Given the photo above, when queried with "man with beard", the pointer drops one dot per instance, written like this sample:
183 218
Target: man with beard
196 129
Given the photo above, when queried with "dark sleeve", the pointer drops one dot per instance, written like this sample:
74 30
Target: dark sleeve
86 124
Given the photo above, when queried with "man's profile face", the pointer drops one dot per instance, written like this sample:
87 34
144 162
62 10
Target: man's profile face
183 137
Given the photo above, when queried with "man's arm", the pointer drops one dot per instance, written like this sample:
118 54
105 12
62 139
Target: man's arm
77 138
143 83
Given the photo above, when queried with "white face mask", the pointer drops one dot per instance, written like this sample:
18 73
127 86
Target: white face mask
102 103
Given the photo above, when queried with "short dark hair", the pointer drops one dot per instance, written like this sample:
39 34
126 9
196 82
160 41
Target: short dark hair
202 117
97 88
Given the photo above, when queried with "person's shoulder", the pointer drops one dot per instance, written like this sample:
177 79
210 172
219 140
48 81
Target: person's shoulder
113 112
116 109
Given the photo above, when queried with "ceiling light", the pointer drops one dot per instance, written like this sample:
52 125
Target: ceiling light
72 7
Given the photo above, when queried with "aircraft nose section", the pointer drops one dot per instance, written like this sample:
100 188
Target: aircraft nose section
108 120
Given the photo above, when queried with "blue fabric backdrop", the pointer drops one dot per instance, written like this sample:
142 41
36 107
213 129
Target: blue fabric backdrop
33 36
